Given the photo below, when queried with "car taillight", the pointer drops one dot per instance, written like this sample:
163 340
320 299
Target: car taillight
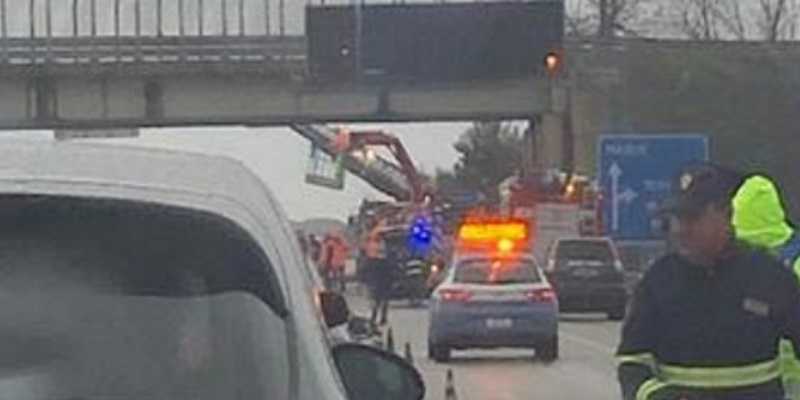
455 295
542 295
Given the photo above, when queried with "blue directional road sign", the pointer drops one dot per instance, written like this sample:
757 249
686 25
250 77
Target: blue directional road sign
636 174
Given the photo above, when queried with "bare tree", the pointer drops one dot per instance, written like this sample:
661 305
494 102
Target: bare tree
714 19
731 17
616 16
699 19
769 20
777 19
602 18
580 20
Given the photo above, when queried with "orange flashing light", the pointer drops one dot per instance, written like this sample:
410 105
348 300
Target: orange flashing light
503 232
505 245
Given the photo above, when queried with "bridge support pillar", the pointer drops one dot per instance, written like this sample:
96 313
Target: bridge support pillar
44 99
154 100
531 161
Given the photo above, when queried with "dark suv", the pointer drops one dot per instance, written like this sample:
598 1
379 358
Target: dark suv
588 276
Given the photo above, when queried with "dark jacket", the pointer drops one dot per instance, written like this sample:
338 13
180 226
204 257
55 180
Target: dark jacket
709 333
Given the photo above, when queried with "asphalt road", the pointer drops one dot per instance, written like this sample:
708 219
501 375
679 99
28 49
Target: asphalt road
585 369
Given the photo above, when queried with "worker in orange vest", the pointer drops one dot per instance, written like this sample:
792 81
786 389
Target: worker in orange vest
335 253
376 272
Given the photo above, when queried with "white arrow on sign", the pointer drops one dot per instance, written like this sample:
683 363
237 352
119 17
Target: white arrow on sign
615 172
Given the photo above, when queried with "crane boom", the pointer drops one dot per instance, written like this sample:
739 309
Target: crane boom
380 173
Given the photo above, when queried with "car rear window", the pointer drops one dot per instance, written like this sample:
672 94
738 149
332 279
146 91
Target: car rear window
496 272
584 250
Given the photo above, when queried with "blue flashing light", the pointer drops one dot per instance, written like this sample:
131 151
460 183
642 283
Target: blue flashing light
421 236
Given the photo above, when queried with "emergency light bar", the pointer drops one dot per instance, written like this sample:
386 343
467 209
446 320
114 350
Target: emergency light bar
506 231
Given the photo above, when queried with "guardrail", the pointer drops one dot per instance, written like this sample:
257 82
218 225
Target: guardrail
150 50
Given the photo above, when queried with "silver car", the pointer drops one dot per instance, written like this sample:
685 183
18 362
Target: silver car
146 274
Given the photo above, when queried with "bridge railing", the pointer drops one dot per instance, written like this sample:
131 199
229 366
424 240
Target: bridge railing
161 50
34 32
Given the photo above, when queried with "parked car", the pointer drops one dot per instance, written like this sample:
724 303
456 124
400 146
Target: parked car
131 273
588 276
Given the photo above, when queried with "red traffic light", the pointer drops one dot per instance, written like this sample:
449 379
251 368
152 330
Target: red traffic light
552 63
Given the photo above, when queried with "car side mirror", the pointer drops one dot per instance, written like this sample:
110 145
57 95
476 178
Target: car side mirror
370 373
334 308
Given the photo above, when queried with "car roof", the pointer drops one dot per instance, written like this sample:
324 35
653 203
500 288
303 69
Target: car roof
126 165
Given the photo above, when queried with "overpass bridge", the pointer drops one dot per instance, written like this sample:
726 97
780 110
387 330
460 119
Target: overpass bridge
94 64
143 63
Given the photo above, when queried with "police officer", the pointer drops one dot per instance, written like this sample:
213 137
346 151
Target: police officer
705 321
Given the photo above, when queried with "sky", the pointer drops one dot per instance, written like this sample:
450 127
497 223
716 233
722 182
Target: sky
279 157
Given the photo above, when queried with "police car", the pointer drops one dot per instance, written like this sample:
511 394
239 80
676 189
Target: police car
493 295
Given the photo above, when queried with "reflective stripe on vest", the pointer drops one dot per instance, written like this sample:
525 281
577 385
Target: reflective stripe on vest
645 359
720 377
648 388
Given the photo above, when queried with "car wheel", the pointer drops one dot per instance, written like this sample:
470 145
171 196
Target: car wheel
439 353
547 350
617 315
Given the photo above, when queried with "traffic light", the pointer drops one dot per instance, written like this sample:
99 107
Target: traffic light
553 63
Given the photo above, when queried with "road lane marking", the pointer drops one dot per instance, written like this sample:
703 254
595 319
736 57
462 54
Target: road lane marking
588 343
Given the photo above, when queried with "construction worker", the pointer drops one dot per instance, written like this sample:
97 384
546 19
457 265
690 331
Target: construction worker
325 262
334 255
705 321
759 219
376 272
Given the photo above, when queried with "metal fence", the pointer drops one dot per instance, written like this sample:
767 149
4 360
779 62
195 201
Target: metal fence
34 32
73 18
91 18
76 32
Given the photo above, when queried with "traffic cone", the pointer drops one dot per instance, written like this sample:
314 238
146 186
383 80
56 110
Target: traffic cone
450 387
409 357
390 341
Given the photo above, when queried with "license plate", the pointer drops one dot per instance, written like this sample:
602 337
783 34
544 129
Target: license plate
497 298
503 323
